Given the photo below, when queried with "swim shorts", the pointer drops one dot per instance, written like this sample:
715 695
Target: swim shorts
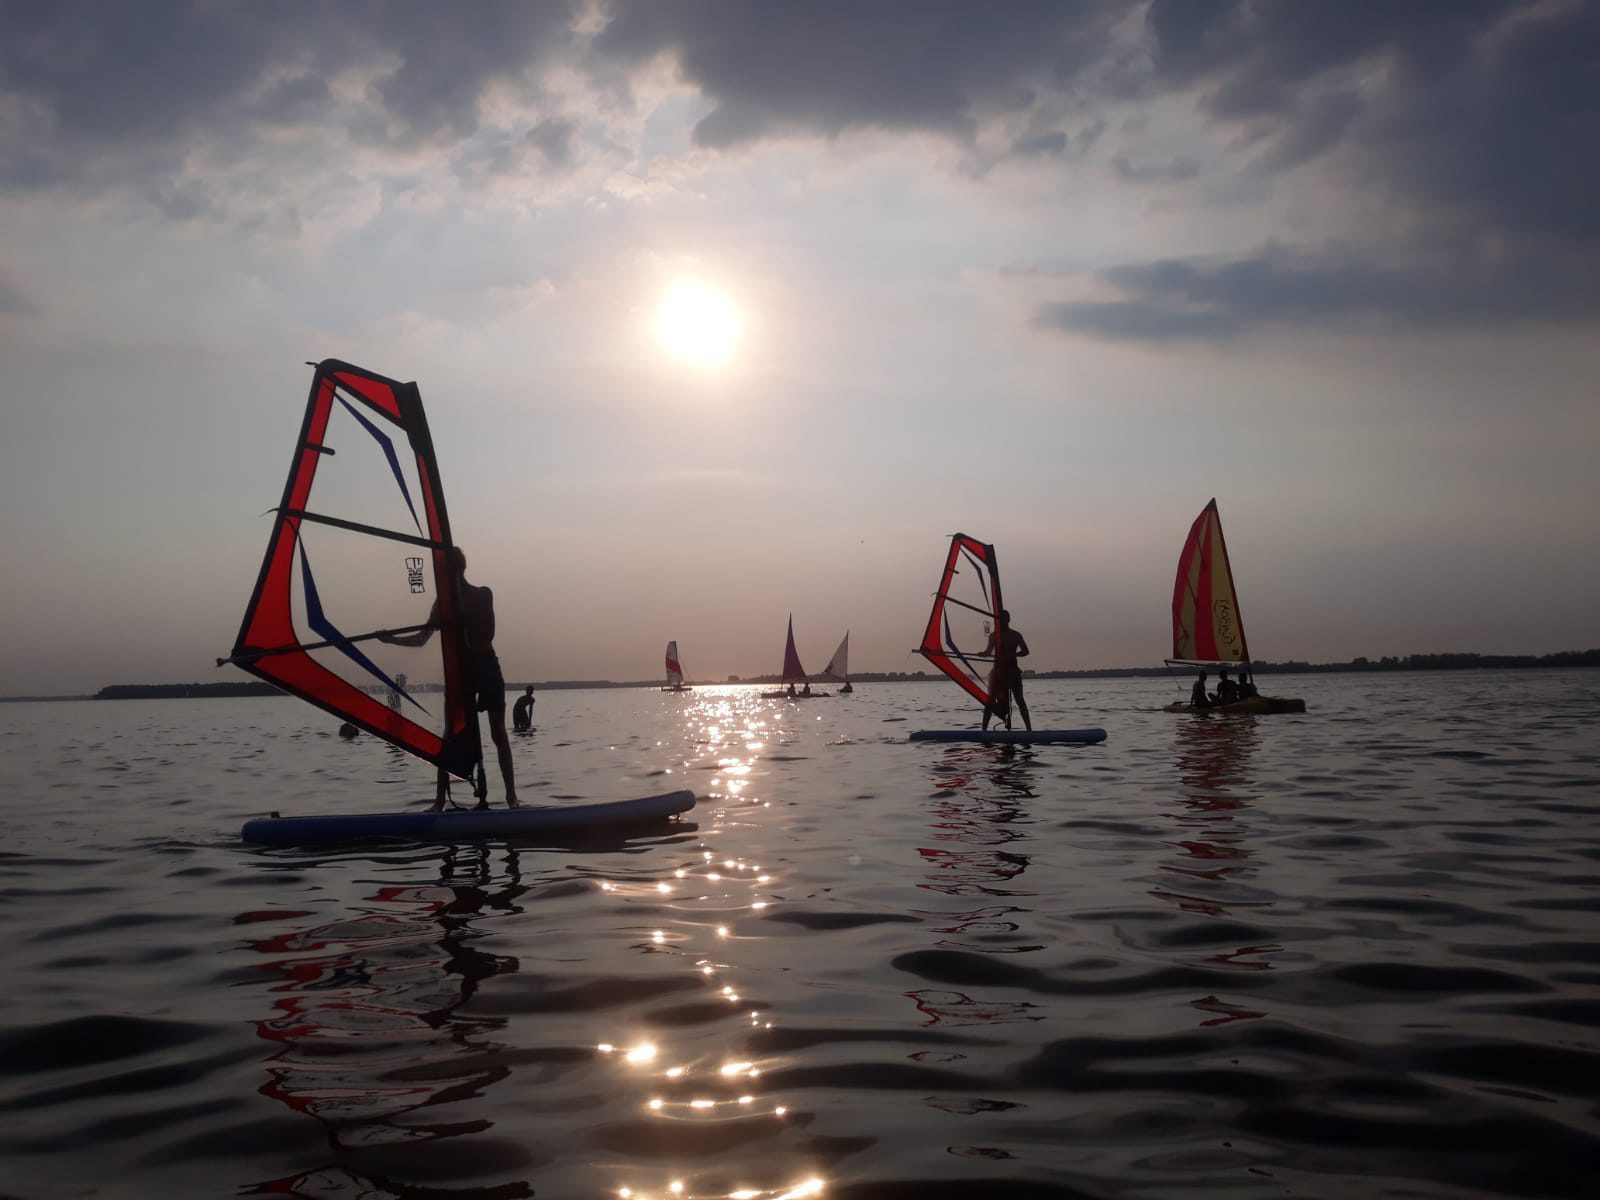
488 685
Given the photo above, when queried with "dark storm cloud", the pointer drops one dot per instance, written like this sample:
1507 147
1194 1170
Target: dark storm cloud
1487 108
1475 121
1471 124
98 92
776 67
1279 287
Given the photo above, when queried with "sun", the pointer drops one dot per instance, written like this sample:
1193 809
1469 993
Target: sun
698 324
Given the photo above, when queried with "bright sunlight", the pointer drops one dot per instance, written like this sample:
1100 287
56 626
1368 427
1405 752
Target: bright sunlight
698 324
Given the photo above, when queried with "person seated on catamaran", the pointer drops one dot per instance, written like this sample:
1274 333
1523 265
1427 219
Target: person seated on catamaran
522 712
791 689
1006 678
488 685
1247 686
1198 697
806 691
1227 689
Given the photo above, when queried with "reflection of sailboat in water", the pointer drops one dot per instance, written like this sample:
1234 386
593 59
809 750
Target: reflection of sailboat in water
980 829
365 1011
1213 766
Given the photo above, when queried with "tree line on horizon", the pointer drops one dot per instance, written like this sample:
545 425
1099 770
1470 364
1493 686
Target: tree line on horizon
1409 662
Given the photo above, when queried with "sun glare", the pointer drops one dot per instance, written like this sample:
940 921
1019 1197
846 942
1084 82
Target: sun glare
698 324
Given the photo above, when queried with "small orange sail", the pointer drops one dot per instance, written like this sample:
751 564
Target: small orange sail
1206 626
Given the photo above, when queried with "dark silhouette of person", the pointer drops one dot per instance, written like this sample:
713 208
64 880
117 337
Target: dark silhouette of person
1227 690
1247 686
791 690
522 712
487 684
806 691
1198 697
1005 681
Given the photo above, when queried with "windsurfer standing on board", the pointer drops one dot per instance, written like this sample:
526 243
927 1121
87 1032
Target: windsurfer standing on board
1005 681
483 667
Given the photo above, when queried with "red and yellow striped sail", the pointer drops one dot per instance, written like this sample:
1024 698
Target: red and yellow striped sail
1206 626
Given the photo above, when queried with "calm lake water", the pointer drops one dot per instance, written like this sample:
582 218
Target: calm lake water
1354 953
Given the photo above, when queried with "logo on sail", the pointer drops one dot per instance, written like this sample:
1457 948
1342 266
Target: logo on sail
1223 622
414 575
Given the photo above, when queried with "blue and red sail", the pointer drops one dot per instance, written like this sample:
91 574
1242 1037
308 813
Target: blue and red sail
359 547
965 625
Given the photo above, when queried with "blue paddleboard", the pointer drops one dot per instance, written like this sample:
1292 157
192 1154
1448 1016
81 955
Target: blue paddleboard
1027 736
466 824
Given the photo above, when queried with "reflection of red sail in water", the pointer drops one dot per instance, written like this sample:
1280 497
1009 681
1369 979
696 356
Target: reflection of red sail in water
369 1002
965 626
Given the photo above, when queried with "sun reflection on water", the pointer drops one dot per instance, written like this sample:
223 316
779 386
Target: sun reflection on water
700 901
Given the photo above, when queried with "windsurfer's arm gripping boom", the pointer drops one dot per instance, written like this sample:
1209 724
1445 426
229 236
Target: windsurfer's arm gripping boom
408 635
417 637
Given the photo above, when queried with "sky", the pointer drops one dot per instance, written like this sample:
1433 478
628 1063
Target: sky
1052 274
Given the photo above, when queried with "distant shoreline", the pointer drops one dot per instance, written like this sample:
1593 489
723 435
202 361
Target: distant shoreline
1412 662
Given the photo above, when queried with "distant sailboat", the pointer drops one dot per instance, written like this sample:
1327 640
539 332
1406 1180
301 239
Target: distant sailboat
1207 629
793 672
839 665
675 681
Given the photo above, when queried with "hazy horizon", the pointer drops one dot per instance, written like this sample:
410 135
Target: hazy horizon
726 312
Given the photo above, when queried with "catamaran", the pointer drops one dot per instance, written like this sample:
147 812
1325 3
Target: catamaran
675 681
1207 630
965 626
838 668
361 542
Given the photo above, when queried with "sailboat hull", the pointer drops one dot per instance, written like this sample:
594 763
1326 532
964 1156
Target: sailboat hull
469 824
1254 707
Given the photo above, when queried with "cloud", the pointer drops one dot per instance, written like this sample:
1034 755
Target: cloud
1277 287
1178 170
1468 125
12 300
775 68
92 94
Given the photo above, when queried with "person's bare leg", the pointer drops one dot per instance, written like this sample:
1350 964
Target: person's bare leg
502 746
441 789
1022 705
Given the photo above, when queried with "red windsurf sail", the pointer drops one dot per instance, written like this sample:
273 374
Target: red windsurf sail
359 547
792 670
1206 626
965 626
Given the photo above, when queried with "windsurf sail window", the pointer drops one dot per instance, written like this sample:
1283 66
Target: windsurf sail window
674 669
792 670
838 667
360 546
964 626
1206 625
